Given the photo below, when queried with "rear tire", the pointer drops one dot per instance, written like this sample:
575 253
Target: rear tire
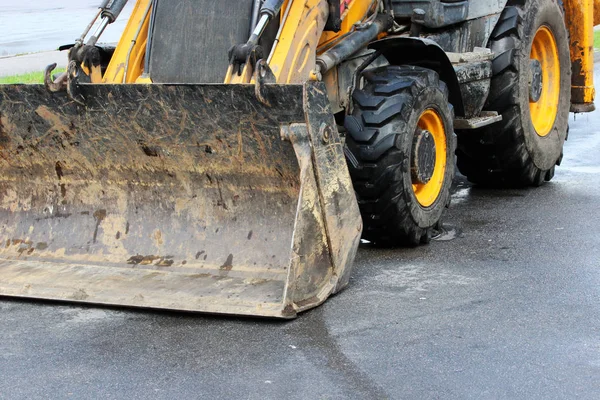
523 148
398 107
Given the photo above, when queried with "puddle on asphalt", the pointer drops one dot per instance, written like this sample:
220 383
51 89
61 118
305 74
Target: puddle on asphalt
447 232
461 195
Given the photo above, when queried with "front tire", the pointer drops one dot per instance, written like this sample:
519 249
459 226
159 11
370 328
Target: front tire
531 89
400 149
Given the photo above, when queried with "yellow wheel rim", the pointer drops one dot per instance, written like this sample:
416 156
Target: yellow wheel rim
428 193
544 111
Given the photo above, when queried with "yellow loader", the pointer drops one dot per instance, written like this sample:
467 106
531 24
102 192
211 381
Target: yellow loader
226 156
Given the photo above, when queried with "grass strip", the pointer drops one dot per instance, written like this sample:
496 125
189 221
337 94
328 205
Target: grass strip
30 77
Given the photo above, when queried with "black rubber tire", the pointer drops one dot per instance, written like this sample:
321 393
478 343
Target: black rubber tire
511 153
379 139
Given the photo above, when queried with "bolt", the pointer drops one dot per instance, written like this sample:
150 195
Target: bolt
325 133
423 157
417 20
536 81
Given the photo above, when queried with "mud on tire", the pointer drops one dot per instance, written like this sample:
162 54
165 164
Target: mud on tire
379 143
511 153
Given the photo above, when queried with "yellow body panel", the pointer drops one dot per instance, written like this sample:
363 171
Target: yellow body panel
356 12
580 22
139 21
293 57
95 73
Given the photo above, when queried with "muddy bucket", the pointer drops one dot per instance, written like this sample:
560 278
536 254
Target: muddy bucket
182 197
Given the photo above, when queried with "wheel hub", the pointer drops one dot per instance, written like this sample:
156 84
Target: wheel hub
536 81
422 163
545 81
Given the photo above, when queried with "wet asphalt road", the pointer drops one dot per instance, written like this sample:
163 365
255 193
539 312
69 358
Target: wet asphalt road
509 309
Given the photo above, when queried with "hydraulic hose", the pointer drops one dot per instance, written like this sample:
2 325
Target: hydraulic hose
353 43
110 12
112 9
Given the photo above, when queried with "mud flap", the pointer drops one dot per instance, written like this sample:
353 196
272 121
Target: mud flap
183 197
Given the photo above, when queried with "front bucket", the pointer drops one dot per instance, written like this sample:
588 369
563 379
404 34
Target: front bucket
182 197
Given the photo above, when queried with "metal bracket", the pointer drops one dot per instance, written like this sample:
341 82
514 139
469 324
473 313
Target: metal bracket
263 75
484 119
72 80
342 216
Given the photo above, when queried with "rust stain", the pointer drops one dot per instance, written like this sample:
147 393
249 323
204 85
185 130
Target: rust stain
16 242
158 261
142 260
164 262
100 215
24 246
58 169
150 151
221 201
228 264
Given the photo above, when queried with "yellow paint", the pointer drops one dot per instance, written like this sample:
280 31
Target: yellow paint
95 74
357 11
580 22
543 112
143 79
116 68
428 193
244 77
294 56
